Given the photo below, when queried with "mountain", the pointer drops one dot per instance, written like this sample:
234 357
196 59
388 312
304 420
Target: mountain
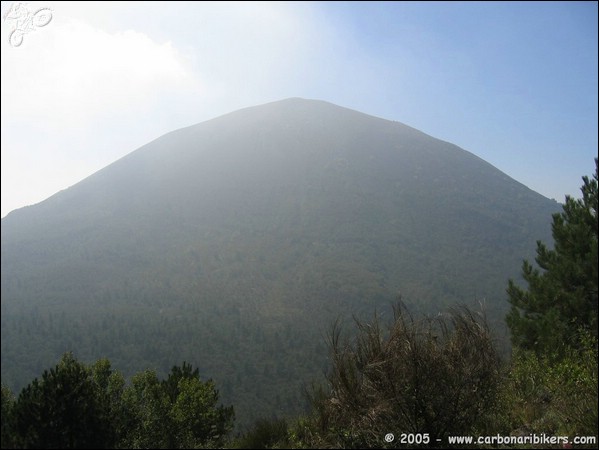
234 243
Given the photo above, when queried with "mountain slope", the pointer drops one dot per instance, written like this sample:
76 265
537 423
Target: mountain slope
235 242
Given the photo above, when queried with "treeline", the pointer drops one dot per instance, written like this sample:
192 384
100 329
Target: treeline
425 378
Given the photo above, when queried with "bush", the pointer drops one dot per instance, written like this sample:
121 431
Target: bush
555 396
438 376
265 434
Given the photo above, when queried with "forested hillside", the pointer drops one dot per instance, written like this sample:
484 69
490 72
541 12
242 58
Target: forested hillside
234 243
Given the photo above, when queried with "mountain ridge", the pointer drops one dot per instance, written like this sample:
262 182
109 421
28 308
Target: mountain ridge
292 101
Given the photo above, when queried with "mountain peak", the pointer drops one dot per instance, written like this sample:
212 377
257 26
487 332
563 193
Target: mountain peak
235 242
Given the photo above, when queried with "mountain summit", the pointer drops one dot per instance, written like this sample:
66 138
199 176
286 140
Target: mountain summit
233 244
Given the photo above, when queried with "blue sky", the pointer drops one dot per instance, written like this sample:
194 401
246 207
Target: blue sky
514 83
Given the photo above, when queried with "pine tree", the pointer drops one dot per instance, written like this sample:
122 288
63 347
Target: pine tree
561 299
62 410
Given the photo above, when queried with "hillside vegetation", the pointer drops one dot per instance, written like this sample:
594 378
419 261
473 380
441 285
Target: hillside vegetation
426 379
234 243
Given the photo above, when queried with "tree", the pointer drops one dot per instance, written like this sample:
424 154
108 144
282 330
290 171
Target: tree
171 384
76 406
62 410
147 410
197 418
561 299
110 387
179 412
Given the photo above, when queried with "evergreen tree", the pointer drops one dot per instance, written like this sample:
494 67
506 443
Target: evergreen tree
110 387
561 299
62 410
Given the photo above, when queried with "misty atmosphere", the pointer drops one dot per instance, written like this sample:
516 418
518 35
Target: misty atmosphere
317 262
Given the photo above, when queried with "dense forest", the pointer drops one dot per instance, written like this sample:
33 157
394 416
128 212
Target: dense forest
234 243
429 377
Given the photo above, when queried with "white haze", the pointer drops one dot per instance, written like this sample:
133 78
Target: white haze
103 78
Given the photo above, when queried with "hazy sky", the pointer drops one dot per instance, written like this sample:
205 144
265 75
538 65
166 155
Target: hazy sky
514 83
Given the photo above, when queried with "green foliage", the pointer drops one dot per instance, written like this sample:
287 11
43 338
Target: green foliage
177 374
62 410
562 298
196 417
437 376
552 385
547 394
265 433
75 406
110 385
574 384
147 406
179 412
